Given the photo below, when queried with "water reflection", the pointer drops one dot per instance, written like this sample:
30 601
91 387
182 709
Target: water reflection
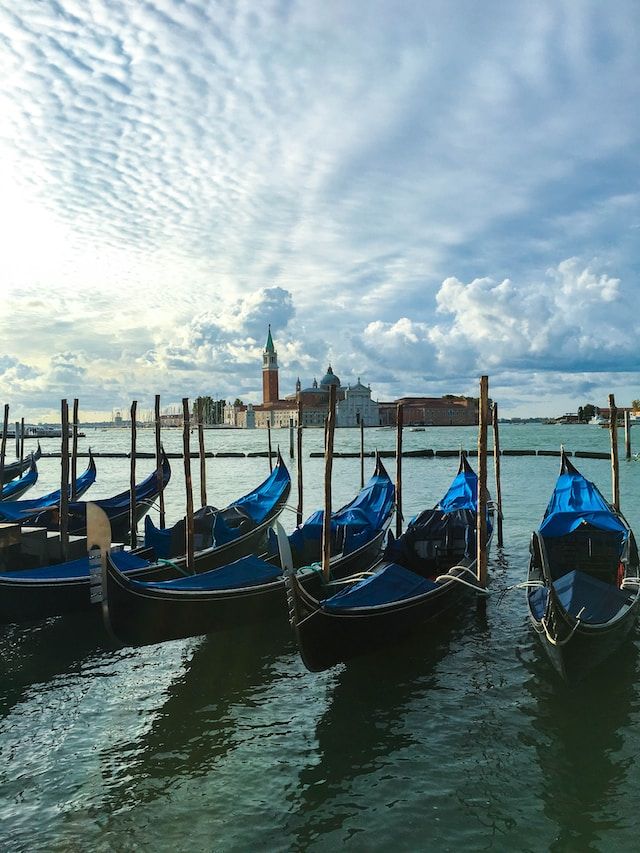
362 732
38 653
578 735
195 727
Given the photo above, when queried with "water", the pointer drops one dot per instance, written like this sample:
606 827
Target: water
461 738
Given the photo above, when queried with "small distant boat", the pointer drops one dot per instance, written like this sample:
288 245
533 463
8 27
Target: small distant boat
423 573
584 589
416 429
14 489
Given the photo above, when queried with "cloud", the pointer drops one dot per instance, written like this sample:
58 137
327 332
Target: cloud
173 176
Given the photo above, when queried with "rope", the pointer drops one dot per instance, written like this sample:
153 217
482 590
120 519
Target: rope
627 582
352 578
555 642
474 586
176 567
522 585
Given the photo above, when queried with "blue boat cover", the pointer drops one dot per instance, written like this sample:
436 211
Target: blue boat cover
462 493
124 560
257 505
20 484
245 572
361 519
576 590
21 510
575 501
390 584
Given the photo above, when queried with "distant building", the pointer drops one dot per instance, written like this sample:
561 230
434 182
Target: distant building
353 403
431 411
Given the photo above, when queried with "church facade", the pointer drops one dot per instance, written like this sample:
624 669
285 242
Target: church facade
353 402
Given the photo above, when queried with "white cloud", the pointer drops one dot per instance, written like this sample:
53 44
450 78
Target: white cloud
165 165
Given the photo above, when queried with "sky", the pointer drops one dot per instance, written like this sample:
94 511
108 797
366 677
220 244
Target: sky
416 193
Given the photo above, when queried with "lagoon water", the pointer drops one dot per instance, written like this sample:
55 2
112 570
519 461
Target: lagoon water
461 738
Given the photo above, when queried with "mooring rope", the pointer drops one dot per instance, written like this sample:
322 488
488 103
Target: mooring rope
555 642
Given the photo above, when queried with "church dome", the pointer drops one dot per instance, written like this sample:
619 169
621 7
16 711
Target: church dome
329 379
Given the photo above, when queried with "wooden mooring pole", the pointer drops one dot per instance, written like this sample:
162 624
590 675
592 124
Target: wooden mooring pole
133 532
627 436
299 464
496 467
290 438
615 466
159 459
188 486
481 524
74 451
64 480
21 441
328 464
361 453
3 444
203 469
399 422
269 443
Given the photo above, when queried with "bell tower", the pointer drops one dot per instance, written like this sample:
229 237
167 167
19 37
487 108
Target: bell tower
270 392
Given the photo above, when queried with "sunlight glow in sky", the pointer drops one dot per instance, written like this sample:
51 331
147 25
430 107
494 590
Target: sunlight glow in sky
416 193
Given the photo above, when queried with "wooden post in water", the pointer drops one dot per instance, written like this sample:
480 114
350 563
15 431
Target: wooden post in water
74 451
132 478
627 436
299 461
328 464
481 523
496 468
3 444
17 437
21 441
361 453
188 487
159 461
269 441
615 467
290 438
400 417
64 481
203 470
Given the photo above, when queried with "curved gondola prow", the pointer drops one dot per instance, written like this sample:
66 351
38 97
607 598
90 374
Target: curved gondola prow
566 465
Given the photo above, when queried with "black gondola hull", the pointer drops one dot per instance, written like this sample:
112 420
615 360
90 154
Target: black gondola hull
142 616
588 647
326 638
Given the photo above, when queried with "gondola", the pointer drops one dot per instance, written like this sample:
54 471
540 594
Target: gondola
423 573
15 469
117 507
64 588
249 589
14 489
27 511
583 586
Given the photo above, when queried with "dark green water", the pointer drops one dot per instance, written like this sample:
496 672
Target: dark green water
461 738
